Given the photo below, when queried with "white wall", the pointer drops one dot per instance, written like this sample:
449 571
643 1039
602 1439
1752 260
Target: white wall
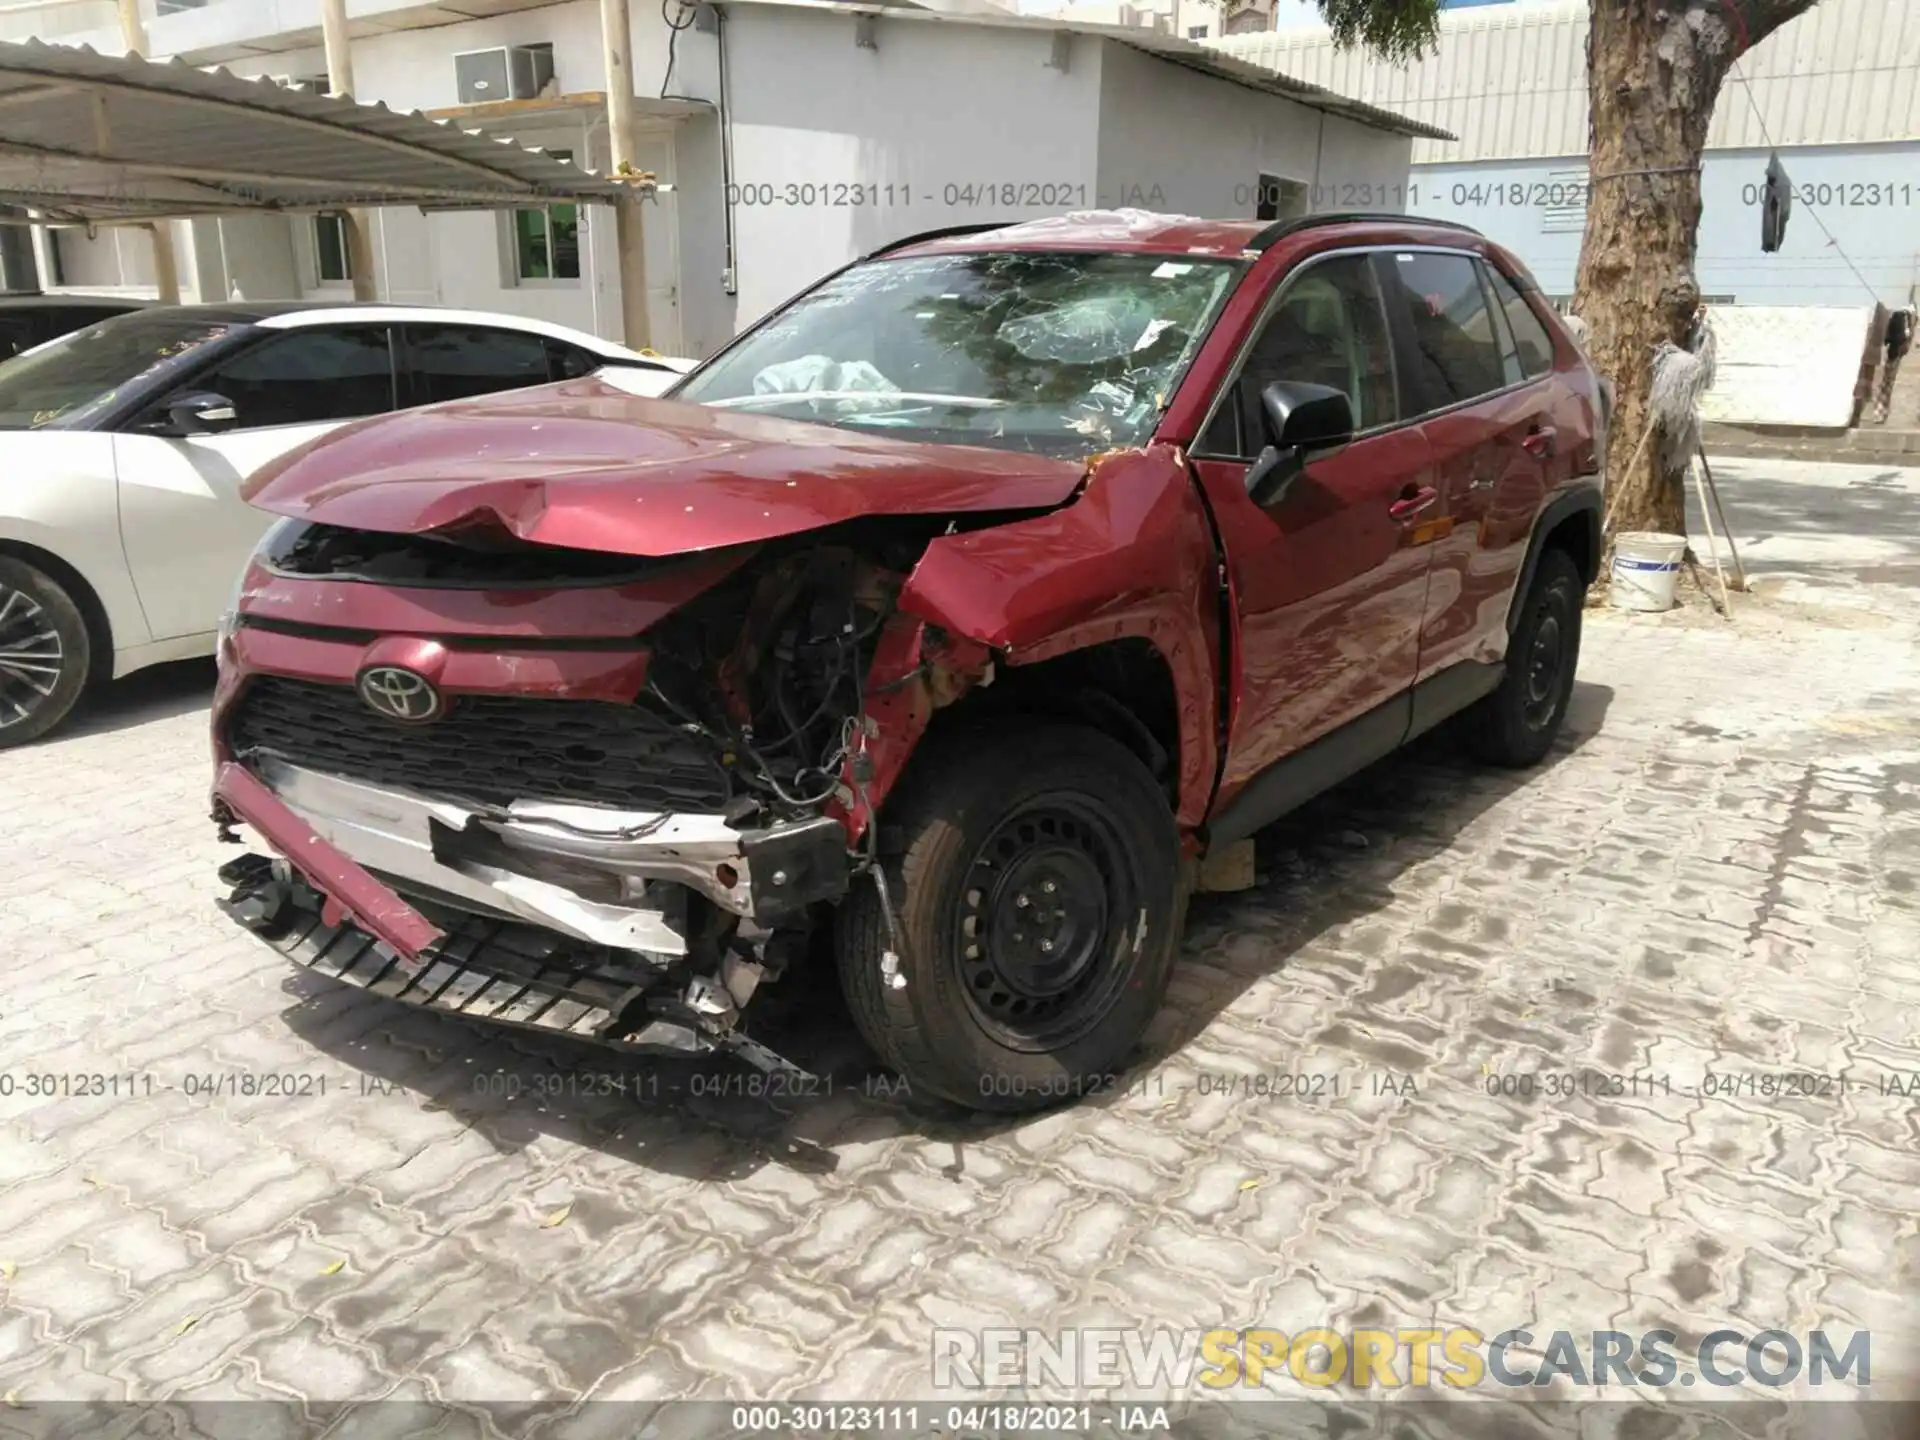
117 257
937 110
1878 230
838 149
1173 139
463 259
253 251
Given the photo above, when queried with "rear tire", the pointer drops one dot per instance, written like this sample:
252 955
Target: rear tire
1038 895
46 653
1517 724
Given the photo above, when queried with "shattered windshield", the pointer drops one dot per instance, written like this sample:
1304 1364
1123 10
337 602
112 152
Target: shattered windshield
1051 352
66 380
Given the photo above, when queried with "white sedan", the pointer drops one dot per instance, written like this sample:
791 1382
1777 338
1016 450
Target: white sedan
123 447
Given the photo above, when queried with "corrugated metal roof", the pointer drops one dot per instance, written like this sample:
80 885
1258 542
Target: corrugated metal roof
1511 81
1176 49
86 136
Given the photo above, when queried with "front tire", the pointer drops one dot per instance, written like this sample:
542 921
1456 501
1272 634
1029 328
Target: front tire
1517 724
1039 904
45 653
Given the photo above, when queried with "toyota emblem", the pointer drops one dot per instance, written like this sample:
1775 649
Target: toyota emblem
399 694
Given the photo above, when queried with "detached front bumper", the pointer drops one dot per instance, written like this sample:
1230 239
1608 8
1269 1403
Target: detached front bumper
489 930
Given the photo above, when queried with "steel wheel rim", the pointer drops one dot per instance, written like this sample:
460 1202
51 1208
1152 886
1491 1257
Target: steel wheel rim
31 656
1545 662
1041 975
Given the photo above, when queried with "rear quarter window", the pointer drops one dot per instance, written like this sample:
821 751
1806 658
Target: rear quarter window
1530 335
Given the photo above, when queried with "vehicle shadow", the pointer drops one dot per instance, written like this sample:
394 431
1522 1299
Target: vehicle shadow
157 693
715 1119
1334 861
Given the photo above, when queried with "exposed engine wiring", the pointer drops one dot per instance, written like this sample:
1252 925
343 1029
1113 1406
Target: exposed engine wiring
798 657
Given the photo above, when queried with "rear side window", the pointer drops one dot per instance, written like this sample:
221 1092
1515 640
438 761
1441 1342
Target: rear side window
305 377
450 362
569 362
1455 347
1530 336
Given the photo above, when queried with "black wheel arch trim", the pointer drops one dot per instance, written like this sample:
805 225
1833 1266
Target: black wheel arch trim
1583 501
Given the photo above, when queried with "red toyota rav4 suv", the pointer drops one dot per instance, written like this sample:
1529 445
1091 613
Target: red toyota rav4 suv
947 618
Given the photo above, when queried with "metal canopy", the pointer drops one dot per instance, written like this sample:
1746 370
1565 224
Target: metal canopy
92 138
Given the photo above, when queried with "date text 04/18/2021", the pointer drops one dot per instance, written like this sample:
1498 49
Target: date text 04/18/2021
1713 1085
1051 195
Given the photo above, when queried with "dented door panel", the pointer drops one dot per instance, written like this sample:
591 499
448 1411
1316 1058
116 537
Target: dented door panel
1328 593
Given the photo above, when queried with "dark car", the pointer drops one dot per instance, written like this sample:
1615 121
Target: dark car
949 616
30 320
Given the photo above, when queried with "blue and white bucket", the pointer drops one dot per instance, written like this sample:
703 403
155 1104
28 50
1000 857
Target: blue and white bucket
1646 570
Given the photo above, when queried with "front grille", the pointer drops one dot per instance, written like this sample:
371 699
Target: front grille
491 748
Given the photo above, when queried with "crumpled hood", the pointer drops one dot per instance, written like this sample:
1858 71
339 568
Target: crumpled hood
585 465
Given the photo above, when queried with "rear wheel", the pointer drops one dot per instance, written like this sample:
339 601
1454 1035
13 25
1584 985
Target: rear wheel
1038 904
45 653
1517 724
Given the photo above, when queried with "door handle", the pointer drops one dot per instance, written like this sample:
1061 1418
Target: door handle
1539 442
1412 502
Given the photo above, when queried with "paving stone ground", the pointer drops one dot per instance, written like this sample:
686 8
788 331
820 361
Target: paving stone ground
1716 875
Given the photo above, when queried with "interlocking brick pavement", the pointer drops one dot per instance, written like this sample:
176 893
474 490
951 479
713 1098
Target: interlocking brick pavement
1719 870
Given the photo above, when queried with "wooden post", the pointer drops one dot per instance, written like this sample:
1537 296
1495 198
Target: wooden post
1733 551
616 38
333 30
166 268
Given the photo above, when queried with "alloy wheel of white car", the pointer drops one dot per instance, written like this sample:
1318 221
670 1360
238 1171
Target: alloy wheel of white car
43 653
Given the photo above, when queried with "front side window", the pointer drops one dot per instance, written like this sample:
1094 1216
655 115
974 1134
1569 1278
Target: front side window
17 333
1456 350
450 362
546 240
1052 352
305 377
67 381
1326 329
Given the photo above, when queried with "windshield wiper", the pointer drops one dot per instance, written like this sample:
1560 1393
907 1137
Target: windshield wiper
879 398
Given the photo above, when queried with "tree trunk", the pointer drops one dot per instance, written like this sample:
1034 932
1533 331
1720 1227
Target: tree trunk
1654 70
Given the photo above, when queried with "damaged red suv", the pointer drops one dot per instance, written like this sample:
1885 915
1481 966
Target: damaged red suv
934 630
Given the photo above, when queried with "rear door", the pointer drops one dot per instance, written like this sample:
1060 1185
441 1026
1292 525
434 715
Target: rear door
1328 587
1487 422
186 530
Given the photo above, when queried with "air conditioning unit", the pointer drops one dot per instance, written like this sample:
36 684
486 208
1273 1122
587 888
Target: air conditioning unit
311 84
510 72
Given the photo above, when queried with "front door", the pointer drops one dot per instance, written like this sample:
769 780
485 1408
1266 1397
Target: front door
186 531
1329 584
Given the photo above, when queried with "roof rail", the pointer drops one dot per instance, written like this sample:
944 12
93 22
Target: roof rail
1280 229
944 233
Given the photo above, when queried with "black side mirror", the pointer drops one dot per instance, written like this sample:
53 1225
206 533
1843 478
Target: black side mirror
195 412
1300 420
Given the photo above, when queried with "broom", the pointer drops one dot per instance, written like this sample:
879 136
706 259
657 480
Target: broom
1681 376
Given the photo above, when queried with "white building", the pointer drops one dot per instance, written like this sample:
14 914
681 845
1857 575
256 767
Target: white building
794 136
1191 19
1836 91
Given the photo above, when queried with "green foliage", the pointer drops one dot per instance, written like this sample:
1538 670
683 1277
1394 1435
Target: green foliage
1398 31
